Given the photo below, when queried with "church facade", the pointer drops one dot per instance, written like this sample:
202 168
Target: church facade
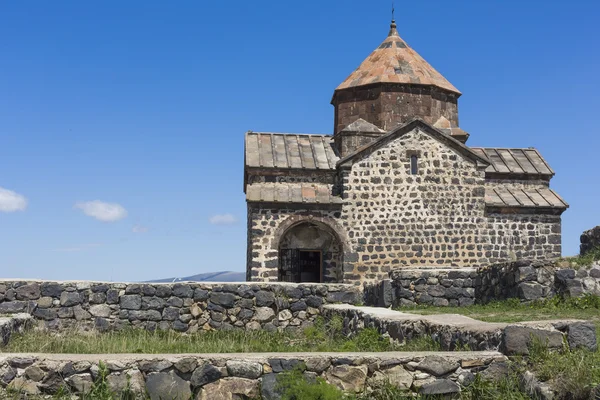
395 186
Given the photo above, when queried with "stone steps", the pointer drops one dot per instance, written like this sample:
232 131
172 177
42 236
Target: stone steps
452 331
247 375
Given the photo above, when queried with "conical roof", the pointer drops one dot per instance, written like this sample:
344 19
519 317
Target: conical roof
395 62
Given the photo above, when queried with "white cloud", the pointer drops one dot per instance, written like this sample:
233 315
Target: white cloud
11 201
106 212
139 229
222 219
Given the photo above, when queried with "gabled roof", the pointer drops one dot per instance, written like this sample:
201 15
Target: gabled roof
301 192
406 128
360 125
515 161
289 151
525 197
395 62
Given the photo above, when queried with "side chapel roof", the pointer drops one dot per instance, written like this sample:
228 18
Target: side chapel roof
290 151
394 61
515 161
523 197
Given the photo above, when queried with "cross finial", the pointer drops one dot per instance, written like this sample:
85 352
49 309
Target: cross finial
393 31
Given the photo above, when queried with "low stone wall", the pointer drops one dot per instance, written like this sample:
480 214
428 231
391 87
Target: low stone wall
589 240
535 280
227 376
527 280
437 287
455 332
16 323
184 307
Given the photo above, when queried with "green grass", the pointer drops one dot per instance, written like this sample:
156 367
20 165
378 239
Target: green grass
572 373
512 310
322 337
296 387
584 260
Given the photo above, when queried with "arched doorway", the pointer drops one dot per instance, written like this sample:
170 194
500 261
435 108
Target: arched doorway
310 252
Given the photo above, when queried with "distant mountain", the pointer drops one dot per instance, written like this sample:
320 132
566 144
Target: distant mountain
222 276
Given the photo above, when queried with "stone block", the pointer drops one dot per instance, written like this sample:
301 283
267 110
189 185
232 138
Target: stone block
530 291
161 385
516 339
582 334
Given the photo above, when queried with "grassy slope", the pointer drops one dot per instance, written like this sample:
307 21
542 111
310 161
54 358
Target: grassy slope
322 337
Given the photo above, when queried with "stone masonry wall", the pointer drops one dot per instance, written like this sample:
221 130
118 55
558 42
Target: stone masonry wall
250 376
429 219
534 280
521 237
266 227
436 287
389 105
184 307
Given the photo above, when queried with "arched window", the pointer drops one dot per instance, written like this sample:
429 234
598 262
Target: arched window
414 164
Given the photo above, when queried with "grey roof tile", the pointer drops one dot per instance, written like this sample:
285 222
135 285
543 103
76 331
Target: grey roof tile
514 161
535 197
290 151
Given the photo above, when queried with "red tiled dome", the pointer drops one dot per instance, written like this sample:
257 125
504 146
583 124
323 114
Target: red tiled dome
395 62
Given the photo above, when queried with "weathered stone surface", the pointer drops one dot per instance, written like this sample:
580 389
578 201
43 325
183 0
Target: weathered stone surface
182 290
100 310
269 388
23 386
226 300
582 334
264 314
81 383
45 314
496 371
132 380
185 365
440 387
317 364
131 302
51 289
161 385
205 374
264 298
396 376
68 299
285 364
10 307
34 373
7 374
348 378
517 339
81 314
230 389
590 240
28 292
21 362
244 369
155 365
530 291
437 366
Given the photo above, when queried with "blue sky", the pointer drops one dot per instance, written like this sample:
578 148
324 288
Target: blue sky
144 104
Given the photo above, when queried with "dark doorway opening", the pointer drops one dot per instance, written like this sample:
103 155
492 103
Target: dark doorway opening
301 265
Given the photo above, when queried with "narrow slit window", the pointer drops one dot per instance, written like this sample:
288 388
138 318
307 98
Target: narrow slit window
414 165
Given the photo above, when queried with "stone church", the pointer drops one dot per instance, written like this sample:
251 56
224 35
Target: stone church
395 186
